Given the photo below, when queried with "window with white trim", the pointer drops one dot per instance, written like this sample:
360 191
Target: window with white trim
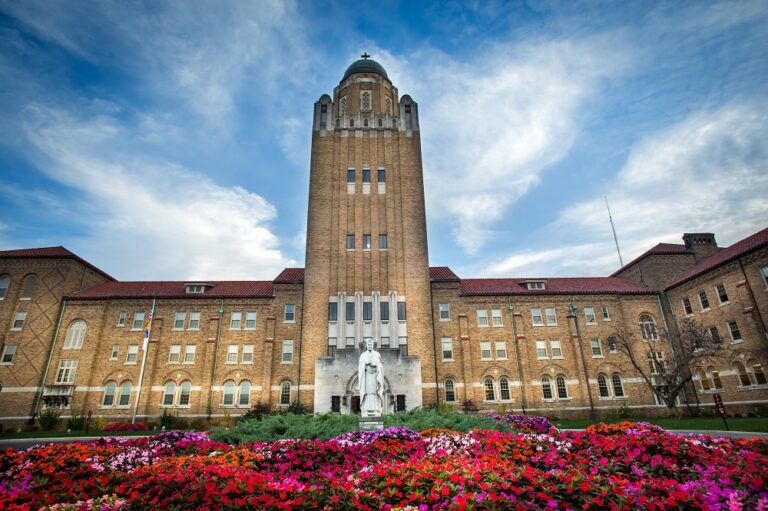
367 311
66 372
703 380
606 314
687 307
132 356
75 335
5 282
333 312
703 301
485 350
349 313
551 317
741 373
496 319
597 349
169 393
121 317
490 391
504 393
589 316
9 351
289 315
18 321
110 389
115 353
228 396
189 353
28 289
287 356
244 393
366 241
383 311
733 328
184 393
447 344
764 274
536 318
285 393
541 350
546 387
235 320
715 375
722 295
365 100
648 328
556 349
562 388
656 362
138 321
248 354
758 373
602 386
174 355
445 311
124 397
450 391
232 351
618 386
501 350
482 317
194 321
179 320
401 311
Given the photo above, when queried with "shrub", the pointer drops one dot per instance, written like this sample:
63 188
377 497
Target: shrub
419 420
170 421
297 409
198 425
98 423
48 420
258 411
76 423
469 406
287 425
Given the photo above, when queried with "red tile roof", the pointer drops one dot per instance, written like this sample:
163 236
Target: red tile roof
556 285
724 256
661 248
290 276
175 289
50 253
442 274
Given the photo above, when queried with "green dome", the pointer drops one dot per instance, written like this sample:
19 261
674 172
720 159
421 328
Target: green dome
365 66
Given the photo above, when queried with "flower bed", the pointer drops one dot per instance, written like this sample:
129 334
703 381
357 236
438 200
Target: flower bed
631 466
126 426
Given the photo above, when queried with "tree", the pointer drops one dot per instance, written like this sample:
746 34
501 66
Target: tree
665 361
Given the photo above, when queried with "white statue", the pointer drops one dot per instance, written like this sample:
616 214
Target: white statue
370 377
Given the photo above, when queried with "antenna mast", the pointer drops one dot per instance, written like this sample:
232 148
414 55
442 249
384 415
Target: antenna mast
613 229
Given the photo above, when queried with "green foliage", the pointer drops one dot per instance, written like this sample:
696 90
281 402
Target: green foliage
171 421
76 423
98 423
623 412
258 411
330 425
297 409
48 420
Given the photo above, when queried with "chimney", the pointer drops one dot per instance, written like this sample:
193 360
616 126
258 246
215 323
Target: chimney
702 244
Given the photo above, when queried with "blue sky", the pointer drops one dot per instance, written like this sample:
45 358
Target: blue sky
170 140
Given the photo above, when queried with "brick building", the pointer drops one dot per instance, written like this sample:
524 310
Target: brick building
73 337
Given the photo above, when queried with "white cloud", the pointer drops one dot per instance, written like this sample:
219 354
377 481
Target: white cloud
156 219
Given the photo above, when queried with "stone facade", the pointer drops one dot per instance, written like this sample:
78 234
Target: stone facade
217 348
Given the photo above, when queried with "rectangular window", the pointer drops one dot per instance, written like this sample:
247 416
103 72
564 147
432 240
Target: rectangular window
289 315
8 352
250 320
138 321
597 349
447 348
703 301
351 176
401 316
189 353
384 311
687 306
496 317
385 342
485 350
236 319
350 312
482 317
336 404
383 244
248 354
287 352
366 241
333 311
194 321
536 317
501 350
174 356
367 311
735 333
606 315
350 241
66 372
18 321
589 316
133 354
656 362
557 350
541 350
551 317
721 294
121 317
366 175
178 322
232 350
445 311
381 176
115 353
712 333
350 342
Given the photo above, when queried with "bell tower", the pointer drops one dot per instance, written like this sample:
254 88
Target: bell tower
367 275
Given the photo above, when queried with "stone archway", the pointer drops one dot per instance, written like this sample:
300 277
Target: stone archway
352 397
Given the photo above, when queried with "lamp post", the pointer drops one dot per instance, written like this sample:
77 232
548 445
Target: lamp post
572 313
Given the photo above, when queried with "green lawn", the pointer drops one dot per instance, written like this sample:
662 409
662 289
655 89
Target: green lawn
755 424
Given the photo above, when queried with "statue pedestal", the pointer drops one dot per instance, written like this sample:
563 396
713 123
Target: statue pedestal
371 422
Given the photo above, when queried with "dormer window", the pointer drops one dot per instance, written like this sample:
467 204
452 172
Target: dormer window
196 287
535 285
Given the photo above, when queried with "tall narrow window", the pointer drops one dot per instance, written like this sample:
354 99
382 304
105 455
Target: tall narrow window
184 394
5 281
351 176
703 301
541 349
350 312
244 393
381 176
287 357
496 319
180 319
735 332
687 306
350 241
9 351
366 175
618 388
333 311
546 387
450 391
229 393
115 352
485 350
110 389
562 389
401 315
75 335
250 320
367 311
384 311
365 100
383 243
722 296
174 355
504 389
589 316
536 317
741 371
132 356
602 386
366 241
557 350
445 311
757 371
169 393
29 287
447 343
289 315
194 321
232 351
490 394
501 350
648 328
125 394
482 317
716 381
248 354
597 349
236 319
138 321
18 321
285 393
551 317
606 314
121 317
189 353
703 380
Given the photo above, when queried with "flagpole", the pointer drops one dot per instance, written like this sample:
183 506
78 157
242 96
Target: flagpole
145 345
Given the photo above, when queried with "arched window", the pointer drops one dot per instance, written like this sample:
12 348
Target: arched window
715 374
75 335
351 123
546 387
504 389
229 393
741 371
285 393
365 123
338 122
602 385
343 106
618 387
244 396
169 393
562 390
388 106
109 394
5 281
757 371
703 380
186 390
450 391
490 394
648 328
29 287
125 394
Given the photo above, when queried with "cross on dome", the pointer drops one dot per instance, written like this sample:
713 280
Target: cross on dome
365 56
